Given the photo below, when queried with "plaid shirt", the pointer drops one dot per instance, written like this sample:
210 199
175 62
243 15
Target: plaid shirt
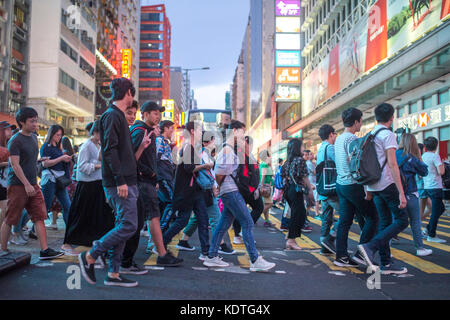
163 148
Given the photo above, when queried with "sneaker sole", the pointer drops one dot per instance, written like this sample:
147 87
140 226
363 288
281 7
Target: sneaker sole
340 264
387 272
328 247
169 264
124 285
138 273
213 265
260 269
184 248
83 271
223 252
50 258
306 231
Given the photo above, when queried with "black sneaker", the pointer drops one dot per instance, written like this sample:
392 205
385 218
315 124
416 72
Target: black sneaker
49 254
32 235
184 245
329 245
225 249
345 262
87 270
120 282
133 269
325 252
168 260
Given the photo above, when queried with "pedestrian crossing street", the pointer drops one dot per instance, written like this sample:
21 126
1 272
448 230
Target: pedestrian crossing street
312 246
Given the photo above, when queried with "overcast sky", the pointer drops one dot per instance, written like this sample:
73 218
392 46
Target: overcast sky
207 33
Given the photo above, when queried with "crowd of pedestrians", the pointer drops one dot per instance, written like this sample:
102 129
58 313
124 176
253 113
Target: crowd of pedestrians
130 179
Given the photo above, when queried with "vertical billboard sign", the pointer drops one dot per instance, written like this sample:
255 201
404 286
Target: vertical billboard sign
287 51
376 35
126 63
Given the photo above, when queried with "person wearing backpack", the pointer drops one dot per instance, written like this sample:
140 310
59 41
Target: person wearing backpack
353 200
388 194
278 186
410 163
433 187
235 207
296 188
188 195
329 203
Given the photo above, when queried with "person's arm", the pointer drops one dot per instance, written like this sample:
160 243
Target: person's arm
85 163
395 171
50 163
439 165
111 156
15 164
420 167
4 164
144 141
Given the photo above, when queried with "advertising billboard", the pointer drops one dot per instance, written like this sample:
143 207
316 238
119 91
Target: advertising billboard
288 93
126 63
388 27
168 114
287 41
287 7
287 58
288 75
287 24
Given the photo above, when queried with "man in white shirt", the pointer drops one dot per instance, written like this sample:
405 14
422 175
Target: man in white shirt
388 194
433 186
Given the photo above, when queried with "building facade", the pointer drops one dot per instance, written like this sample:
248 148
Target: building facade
178 88
154 67
15 16
62 64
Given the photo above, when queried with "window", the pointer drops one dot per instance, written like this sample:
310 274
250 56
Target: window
84 65
150 84
413 107
427 103
443 97
85 92
151 55
68 50
151 36
150 75
401 111
67 80
428 133
444 133
150 65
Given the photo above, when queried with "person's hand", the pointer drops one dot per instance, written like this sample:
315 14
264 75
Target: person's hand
146 140
157 187
369 195
256 194
312 187
29 189
98 166
402 201
123 191
157 131
66 158
215 191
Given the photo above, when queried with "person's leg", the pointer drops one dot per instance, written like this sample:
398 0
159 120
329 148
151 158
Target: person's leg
298 213
365 212
48 191
346 215
214 217
63 197
225 221
2 211
202 218
327 220
236 228
178 225
413 210
155 231
166 192
437 208
190 228
132 244
257 206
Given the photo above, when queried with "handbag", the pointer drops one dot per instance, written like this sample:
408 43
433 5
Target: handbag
61 182
299 187
266 191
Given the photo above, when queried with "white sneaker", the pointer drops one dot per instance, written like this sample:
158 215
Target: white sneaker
202 257
436 239
52 226
238 240
261 265
424 252
215 262
17 240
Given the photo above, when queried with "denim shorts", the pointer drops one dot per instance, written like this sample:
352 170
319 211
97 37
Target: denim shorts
148 198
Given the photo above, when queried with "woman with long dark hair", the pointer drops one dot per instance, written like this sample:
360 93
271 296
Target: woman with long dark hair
56 166
296 187
90 217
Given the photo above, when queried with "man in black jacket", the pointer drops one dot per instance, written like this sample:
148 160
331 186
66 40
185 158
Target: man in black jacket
141 132
119 171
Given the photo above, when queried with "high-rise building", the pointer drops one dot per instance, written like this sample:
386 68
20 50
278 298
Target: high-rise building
62 64
362 53
178 88
15 16
154 67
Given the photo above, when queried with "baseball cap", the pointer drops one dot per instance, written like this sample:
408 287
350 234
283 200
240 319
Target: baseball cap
151 106
5 124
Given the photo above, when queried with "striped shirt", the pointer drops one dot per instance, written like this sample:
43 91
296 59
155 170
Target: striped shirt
344 177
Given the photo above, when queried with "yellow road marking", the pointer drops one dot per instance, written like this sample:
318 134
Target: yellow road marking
431 244
71 259
244 260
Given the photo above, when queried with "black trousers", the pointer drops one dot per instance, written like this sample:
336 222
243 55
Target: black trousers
257 209
298 212
133 243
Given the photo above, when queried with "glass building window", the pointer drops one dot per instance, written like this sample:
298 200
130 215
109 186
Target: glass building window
443 97
413 107
401 111
427 103
428 133
444 133
67 80
68 50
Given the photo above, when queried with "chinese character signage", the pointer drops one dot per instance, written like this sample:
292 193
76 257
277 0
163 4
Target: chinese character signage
288 8
287 24
288 93
168 114
288 75
287 58
126 63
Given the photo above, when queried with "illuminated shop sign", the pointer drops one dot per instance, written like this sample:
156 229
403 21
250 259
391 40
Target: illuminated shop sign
288 7
287 41
126 63
287 58
168 114
288 93
288 75
424 119
287 24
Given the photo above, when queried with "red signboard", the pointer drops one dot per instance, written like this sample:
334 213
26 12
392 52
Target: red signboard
376 35
333 72
15 86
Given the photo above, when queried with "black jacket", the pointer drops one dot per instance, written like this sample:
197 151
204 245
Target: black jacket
146 164
118 159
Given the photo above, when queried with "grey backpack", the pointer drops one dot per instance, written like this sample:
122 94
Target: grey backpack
364 165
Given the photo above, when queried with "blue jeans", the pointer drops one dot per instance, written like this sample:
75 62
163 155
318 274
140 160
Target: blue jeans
213 216
437 209
328 207
183 219
352 202
234 207
413 210
126 214
165 195
49 190
387 202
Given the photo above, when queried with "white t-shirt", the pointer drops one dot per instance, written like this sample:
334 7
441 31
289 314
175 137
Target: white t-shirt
433 180
384 141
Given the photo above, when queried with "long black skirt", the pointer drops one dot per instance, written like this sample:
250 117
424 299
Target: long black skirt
90 217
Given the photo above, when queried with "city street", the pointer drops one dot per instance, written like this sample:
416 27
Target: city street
297 275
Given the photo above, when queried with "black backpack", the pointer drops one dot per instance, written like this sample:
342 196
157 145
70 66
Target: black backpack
326 176
446 176
364 165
